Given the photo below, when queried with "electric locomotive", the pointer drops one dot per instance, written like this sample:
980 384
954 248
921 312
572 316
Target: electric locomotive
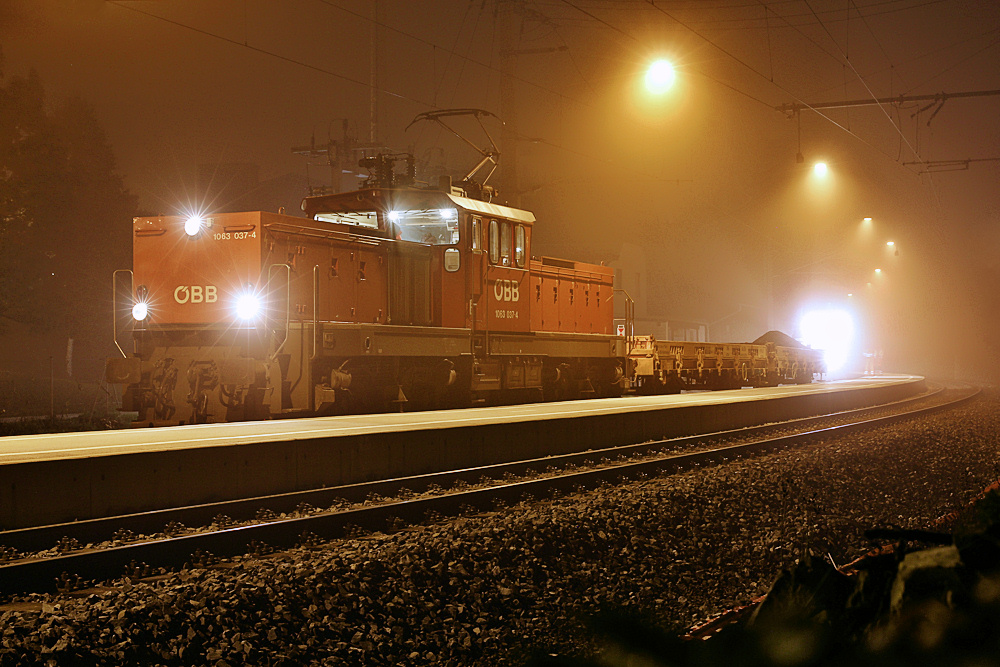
391 297
387 298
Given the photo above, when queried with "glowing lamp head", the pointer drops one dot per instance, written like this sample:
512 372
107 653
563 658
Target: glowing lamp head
393 216
820 169
193 225
248 306
140 310
660 77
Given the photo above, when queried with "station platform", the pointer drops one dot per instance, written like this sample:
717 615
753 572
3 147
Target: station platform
57 478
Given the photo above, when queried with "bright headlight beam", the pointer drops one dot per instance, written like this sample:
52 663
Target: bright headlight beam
140 310
830 330
247 306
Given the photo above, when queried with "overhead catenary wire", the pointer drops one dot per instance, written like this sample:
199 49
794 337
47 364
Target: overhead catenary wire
572 151
121 4
745 64
865 83
752 23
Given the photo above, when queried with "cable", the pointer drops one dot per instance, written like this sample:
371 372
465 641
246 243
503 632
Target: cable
966 59
775 84
865 84
864 19
119 3
756 24
421 40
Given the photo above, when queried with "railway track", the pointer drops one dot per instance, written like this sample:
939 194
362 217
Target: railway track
51 558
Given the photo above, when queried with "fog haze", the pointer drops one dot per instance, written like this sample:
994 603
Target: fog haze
699 188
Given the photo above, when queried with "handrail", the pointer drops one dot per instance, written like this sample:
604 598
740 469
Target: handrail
315 332
114 305
288 301
629 320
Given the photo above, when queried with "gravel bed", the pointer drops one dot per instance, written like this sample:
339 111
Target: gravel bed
496 588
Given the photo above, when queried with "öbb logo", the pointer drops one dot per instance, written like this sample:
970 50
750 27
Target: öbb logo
506 290
196 294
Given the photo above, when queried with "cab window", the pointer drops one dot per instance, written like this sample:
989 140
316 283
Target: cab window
494 242
477 233
505 243
433 226
519 253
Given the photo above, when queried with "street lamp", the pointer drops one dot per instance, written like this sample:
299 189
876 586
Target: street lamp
820 169
660 77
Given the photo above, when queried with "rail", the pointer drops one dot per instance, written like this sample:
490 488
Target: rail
400 501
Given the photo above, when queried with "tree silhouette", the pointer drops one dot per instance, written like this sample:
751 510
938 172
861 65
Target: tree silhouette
64 213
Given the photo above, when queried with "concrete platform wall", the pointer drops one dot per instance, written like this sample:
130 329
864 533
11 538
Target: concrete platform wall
42 493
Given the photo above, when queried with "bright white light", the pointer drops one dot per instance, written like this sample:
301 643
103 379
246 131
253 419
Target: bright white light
867 220
890 243
247 306
878 270
448 213
192 225
659 77
820 169
830 330
140 310
393 216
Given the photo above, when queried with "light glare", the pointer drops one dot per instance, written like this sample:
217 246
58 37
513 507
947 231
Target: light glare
820 169
247 306
660 77
140 310
192 225
830 330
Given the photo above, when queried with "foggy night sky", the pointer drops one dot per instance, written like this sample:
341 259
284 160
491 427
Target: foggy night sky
704 178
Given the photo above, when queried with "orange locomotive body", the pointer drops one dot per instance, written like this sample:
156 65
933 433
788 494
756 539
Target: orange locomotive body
391 297
386 298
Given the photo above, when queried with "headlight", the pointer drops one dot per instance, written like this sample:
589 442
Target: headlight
193 225
140 310
247 306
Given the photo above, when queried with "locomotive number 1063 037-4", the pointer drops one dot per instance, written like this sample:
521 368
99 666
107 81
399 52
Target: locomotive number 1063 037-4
226 236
